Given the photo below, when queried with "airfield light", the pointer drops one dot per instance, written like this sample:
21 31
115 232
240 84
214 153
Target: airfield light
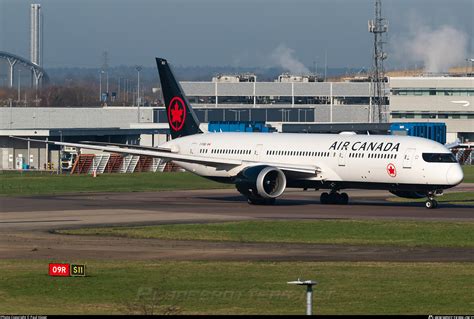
309 293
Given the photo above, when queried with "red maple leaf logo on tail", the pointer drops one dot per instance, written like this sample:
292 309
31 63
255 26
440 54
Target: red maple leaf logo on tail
176 113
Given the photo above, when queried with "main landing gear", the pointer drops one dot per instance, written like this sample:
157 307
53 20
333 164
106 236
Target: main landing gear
334 198
431 203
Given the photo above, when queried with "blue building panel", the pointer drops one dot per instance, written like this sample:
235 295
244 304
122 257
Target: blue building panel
432 131
239 126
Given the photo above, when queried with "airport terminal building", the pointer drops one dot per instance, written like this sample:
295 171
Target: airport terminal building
294 100
435 99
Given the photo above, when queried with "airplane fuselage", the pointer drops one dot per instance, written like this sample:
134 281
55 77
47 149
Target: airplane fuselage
344 161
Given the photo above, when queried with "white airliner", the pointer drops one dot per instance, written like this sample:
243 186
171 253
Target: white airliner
263 165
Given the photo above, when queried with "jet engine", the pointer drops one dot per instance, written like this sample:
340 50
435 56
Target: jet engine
408 194
261 183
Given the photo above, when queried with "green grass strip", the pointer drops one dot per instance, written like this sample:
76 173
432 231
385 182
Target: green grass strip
351 232
35 183
468 173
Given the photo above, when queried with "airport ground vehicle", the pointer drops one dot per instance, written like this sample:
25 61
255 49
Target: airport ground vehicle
68 157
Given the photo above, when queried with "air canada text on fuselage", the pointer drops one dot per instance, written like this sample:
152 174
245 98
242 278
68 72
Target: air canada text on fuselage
365 146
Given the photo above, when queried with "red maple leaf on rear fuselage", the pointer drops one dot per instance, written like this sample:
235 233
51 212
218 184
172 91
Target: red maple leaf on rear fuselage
391 170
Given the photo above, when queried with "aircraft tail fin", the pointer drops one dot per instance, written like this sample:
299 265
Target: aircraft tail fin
181 117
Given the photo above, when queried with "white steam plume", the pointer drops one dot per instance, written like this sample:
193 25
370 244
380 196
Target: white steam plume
283 56
438 49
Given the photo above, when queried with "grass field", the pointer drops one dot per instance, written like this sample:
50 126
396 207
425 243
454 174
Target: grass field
238 288
468 173
353 232
14 183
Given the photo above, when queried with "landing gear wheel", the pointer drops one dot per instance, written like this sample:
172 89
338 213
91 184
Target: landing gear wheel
344 199
431 204
333 198
324 199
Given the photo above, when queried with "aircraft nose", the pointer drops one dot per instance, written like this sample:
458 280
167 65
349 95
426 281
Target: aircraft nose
454 175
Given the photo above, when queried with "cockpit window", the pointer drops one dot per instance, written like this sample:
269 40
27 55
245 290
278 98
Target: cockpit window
439 157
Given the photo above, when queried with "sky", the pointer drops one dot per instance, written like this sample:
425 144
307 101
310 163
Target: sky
240 33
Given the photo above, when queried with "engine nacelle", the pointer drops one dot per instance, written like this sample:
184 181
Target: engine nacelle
261 181
408 194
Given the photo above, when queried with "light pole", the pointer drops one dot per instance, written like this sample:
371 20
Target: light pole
100 85
107 77
125 84
60 166
138 68
11 114
309 293
118 90
19 85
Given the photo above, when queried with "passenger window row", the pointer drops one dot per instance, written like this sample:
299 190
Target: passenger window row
230 151
297 153
380 155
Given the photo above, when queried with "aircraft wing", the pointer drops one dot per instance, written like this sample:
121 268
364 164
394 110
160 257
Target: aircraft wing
297 171
141 147
161 153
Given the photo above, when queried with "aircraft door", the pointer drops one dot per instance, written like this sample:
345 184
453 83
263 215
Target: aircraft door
342 158
408 158
194 149
258 151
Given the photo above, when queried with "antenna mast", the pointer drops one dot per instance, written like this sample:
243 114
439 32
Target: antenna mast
378 27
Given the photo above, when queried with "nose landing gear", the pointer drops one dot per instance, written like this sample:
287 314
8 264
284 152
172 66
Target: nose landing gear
431 202
334 198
